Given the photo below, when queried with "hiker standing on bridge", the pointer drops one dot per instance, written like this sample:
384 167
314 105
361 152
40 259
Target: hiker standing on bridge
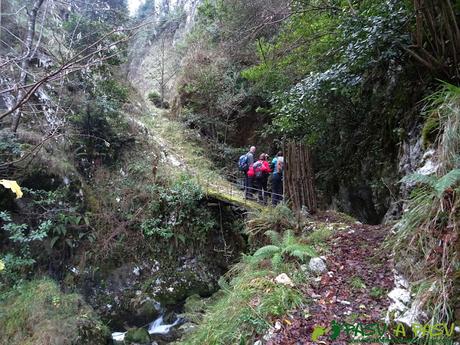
277 178
261 172
245 165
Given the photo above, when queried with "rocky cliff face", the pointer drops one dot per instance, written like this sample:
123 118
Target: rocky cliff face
414 158
156 52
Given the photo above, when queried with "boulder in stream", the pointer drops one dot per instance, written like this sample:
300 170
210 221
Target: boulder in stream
137 336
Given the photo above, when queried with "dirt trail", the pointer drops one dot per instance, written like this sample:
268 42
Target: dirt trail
184 153
353 290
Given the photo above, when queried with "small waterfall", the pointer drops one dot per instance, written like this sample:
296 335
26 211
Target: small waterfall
118 336
155 327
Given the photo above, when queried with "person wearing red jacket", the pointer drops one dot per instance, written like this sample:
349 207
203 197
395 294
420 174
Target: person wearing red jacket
249 178
261 172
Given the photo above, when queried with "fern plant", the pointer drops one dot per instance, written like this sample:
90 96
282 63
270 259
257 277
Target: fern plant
277 218
435 183
282 248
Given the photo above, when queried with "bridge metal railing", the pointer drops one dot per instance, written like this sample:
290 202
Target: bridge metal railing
234 187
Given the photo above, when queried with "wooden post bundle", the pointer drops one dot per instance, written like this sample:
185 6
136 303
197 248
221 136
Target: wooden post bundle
299 185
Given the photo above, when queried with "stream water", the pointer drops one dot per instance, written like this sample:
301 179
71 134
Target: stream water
156 327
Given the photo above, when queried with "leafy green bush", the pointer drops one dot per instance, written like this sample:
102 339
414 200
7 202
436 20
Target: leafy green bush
307 110
9 145
177 212
102 131
158 100
18 260
112 89
55 229
68 223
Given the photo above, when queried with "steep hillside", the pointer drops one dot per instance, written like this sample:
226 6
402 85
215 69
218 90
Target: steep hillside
155 53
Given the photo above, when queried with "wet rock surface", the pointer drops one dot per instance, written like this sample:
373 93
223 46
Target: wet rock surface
131 295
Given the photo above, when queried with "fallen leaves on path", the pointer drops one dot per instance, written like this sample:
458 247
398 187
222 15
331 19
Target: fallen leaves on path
353 290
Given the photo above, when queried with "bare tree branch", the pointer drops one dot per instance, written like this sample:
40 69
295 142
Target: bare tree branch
72 65
32 16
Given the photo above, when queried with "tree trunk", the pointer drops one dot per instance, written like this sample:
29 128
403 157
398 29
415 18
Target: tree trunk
28 52
437 37
299 186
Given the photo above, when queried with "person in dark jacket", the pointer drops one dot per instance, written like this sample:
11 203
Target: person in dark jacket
277 179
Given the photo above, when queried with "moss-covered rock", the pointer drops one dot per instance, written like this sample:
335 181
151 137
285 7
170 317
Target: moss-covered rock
195 308
148 309
137 336
430 130
194 304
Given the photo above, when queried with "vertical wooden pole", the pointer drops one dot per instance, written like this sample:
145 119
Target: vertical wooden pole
299 184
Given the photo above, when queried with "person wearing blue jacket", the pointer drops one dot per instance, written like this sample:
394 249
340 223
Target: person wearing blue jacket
277 178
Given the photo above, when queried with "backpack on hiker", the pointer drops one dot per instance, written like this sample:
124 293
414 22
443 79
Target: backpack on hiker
273 164
243 164
258 169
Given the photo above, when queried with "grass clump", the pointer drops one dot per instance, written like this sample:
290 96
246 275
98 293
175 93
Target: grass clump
430 129
250 299
275 218
37 312
320 234
377 292
357 283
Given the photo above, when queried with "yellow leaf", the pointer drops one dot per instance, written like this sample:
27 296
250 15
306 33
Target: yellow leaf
13 185
2 265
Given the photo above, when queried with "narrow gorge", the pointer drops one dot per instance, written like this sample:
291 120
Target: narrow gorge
127 218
